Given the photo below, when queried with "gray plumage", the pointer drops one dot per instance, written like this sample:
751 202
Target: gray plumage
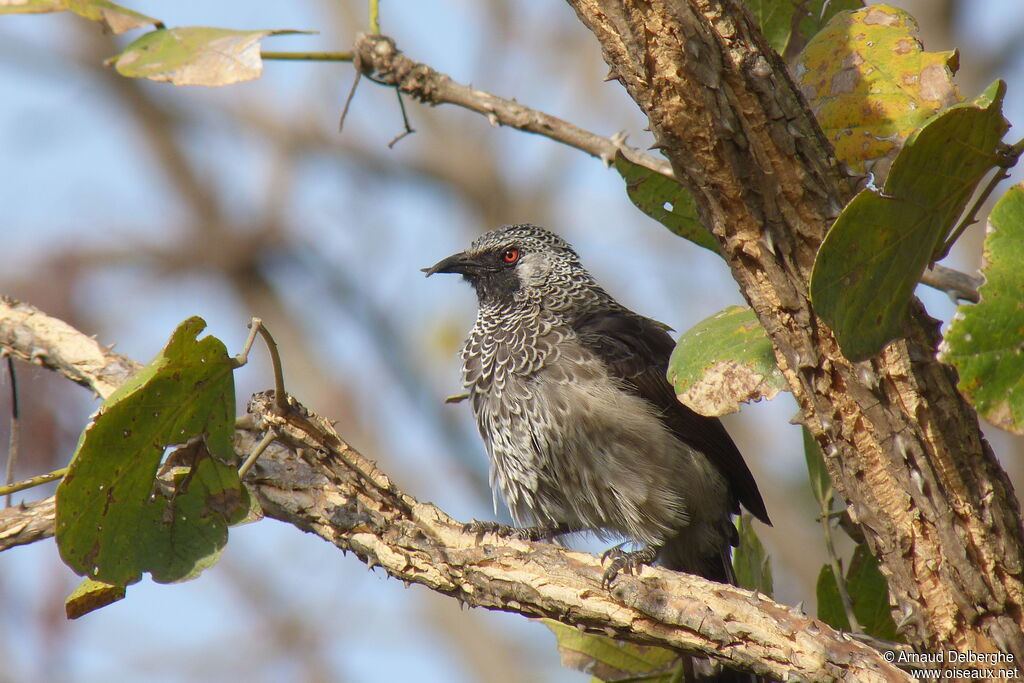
581 426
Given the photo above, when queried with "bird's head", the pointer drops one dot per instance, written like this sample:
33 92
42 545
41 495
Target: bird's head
511 263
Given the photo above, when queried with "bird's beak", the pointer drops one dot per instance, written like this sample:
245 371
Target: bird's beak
460 263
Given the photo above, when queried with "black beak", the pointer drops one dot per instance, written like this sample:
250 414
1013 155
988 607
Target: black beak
459 263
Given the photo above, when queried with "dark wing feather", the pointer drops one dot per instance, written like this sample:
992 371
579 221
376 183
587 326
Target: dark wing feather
636 350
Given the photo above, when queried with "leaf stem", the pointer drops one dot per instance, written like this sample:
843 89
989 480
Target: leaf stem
12 444
374 17
309 56
32 482
837 570
1008 159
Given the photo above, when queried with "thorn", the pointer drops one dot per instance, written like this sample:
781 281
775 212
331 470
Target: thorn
612 76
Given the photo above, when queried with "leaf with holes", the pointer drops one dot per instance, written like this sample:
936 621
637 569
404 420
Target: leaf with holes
664 200
871 85
115 518
723 361
985 341
876 252
608 659
195 55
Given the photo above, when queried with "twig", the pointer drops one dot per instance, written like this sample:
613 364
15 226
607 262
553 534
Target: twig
308 56
1008 159
958 285
32 482
12 444
387 65
405 120
348 99
374 16
267 439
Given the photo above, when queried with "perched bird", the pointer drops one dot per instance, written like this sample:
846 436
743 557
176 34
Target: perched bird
582 428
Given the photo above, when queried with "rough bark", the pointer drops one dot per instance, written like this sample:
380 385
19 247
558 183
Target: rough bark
310 478
902 446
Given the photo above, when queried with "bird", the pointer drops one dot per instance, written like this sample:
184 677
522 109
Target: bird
582 429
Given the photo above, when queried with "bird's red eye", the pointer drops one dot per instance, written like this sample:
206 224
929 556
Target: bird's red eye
510 255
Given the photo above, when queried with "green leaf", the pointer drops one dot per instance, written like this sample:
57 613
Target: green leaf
115 520
876 252
115 18
870 84
821 482
90 596
985 340
750 561
869 593
608 659
779 18
723 361
664 200
195 55
830 605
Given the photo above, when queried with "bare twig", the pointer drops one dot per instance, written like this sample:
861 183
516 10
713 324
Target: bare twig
958 285
12 443
385 63
1008 160
405 121
32 482
308 56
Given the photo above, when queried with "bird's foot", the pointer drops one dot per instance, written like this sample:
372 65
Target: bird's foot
521 533
625 561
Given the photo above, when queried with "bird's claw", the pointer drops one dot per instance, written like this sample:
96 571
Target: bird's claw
519 533
629 562
480 528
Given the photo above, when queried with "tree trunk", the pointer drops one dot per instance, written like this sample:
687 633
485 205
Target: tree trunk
902 446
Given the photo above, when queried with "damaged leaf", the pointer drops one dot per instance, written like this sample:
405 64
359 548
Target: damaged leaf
723 361
870 84
195 55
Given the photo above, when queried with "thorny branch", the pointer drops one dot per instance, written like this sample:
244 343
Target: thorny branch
312 479
378 58
901 444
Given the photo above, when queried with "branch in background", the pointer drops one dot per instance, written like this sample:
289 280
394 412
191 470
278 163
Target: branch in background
34 337
312 479
381 61
958 285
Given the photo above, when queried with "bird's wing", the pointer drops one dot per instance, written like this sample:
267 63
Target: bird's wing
636 351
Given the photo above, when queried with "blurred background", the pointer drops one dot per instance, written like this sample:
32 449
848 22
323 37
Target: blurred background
127 206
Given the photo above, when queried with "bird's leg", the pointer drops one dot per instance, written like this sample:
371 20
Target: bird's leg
522 533
628 561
